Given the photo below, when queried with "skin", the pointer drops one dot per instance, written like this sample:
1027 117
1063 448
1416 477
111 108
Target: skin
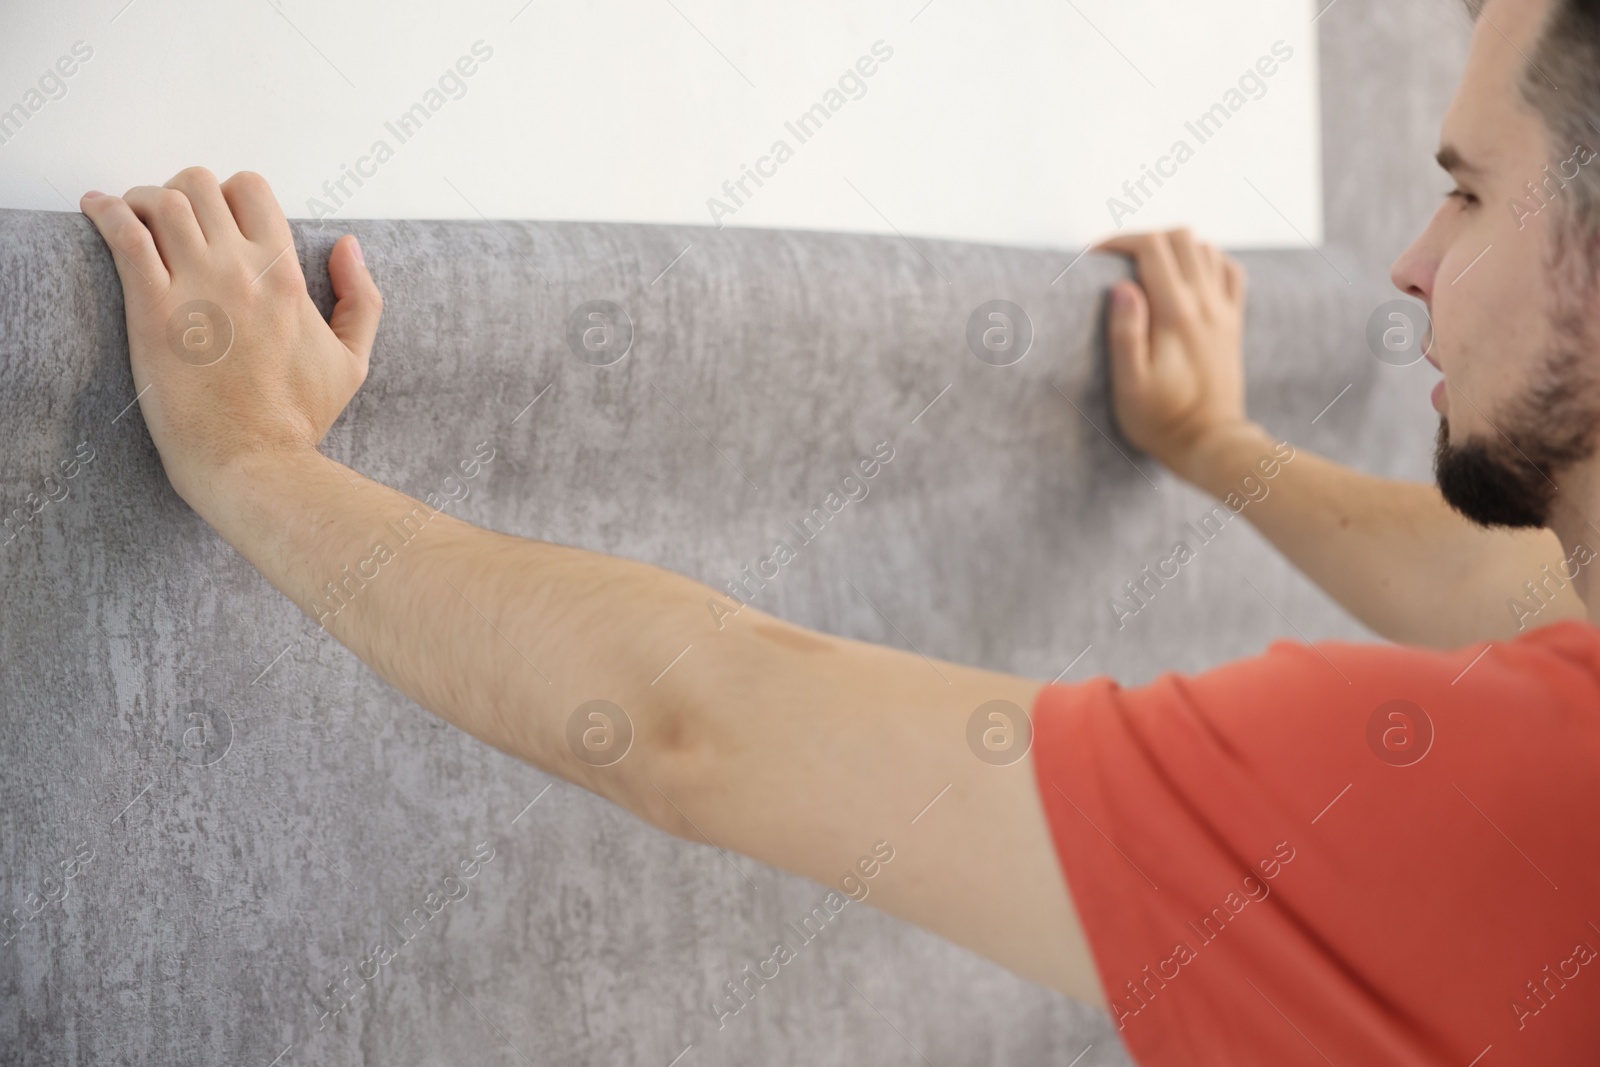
1395 554
796 748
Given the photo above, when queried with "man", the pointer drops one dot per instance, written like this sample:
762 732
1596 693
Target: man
1352 854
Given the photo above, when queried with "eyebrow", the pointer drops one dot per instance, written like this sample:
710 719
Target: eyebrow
1453 162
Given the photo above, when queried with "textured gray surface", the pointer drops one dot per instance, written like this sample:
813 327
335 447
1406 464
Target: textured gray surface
221 899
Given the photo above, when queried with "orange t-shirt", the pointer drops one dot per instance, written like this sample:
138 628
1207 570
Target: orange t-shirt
1341 853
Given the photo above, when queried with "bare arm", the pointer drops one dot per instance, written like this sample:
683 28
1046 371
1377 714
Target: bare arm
1393 553
812 753
796 748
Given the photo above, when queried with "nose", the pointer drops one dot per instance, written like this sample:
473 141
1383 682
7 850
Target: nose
1414 271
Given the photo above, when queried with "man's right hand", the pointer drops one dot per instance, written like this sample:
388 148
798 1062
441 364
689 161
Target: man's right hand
230 358
1177 378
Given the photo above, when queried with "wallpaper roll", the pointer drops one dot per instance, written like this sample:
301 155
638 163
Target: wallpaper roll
224 840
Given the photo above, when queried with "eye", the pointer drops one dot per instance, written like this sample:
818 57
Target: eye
1465 198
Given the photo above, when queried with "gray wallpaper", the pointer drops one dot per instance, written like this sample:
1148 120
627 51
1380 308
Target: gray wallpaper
210 813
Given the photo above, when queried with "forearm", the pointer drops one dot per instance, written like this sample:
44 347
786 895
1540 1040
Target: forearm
1393 553
501 636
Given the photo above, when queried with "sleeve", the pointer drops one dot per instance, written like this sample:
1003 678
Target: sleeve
1337 853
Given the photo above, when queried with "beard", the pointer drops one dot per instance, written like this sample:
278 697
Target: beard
1491 482
1507 478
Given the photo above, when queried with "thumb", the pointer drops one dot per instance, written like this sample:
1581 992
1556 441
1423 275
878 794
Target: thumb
1129 335
357 300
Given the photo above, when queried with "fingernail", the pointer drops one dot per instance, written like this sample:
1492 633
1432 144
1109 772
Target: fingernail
361 257
92 193
1120 297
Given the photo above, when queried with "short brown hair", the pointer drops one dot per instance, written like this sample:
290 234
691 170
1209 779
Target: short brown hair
1561 81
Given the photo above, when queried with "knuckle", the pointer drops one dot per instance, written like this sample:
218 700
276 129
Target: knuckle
169 205
283 278
239 274
246 181
128 232
194 176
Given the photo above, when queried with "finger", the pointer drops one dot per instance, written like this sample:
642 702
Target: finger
1128 332
167 214
1233 278
1164 287
256 210
1128 244
1212 277
358 304
205 200
1186 252
133 249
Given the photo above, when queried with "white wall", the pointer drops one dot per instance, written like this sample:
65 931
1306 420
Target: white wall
1009 121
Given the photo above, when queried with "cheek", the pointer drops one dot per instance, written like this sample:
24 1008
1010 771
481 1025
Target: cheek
1491 322
1463 343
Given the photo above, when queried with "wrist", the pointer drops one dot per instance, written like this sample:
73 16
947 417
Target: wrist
1219 457
297 516
230 487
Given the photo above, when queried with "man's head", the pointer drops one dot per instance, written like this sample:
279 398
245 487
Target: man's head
1509 263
